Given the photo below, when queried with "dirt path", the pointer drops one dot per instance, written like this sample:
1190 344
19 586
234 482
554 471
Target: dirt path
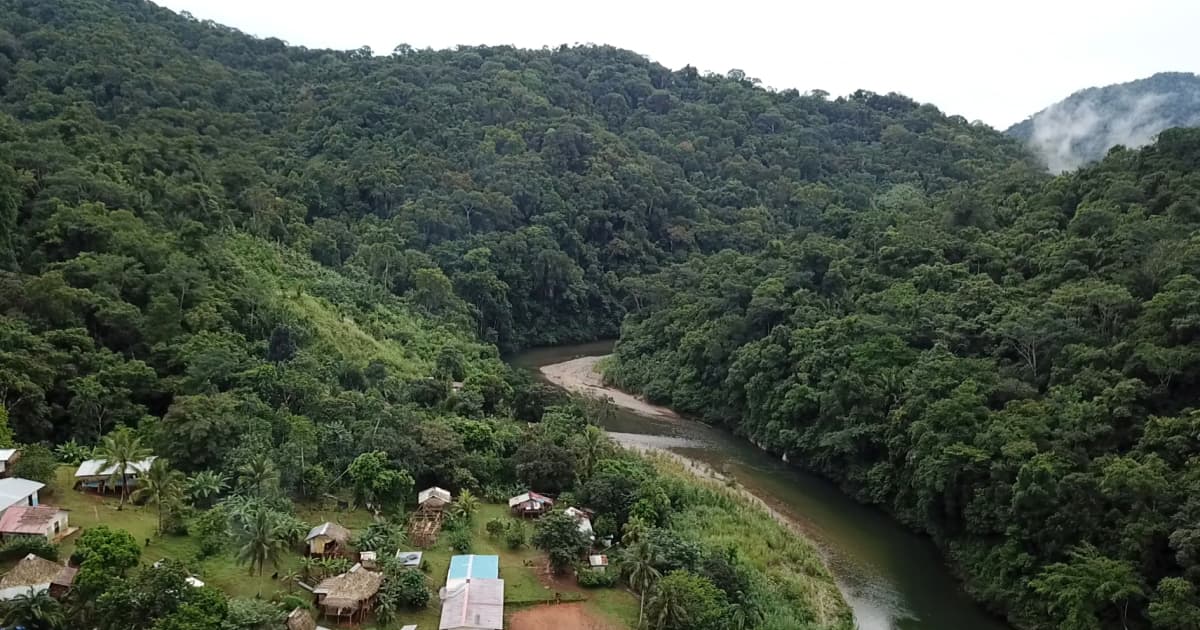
559 617
580 376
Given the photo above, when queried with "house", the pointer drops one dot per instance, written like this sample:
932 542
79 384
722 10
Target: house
36 574
409 558
472 567
301 619
94 475
8 457
17 491
530 504
369 560
350 595
583 519
327 539
434 498
598 563
473 605
42 521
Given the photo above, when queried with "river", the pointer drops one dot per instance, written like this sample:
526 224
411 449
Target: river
892 578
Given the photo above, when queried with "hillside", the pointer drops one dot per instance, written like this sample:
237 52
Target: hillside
1081 128
1022 387
289 274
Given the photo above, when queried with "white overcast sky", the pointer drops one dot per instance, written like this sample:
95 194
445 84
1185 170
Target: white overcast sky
997 60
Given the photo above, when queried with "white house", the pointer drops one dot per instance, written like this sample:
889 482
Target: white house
94 475
8 457
17 491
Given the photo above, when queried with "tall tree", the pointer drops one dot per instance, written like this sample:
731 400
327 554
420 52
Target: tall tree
120 450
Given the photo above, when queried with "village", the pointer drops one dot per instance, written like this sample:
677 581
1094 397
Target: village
492 585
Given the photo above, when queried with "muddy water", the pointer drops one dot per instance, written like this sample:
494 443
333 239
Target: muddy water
892 578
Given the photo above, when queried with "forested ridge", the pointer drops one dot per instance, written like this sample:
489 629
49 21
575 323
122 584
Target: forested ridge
1021 386
246 251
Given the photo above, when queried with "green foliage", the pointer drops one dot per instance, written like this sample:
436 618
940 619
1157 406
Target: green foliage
495 527
515 535
37 463
6 433
588 578
376 482
102 553
460 540
120 450
33 611
18 547
72 452
685 601
558 535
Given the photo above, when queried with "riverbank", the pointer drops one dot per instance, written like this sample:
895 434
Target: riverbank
892 578
581 376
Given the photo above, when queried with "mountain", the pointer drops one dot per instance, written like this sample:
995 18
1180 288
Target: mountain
1083 127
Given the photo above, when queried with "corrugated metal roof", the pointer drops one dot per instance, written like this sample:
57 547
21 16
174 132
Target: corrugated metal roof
15 490
332 530
529 496
435 491
26 519
7 453
477 604
92 467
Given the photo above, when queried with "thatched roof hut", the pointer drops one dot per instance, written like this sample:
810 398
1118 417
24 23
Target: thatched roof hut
35 573
327 538
351 594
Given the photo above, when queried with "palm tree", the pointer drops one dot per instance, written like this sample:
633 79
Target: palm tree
33 611
258 474
160 486
120 450
259 540
290 578
638 565
591 446
466 506
308 566
206 485
667 610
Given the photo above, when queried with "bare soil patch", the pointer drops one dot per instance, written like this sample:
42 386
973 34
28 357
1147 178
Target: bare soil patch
559 617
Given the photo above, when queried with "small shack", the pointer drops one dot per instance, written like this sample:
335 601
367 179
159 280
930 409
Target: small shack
34 521
17 491
472 567
327 539
349 596
583 519
37 574
598 563
530 504
473 605
369 560
434 498
95 476
8 457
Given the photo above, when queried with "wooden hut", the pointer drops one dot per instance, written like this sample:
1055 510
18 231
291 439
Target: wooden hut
349 596
327 539
434 498
301 619
530 504
8 457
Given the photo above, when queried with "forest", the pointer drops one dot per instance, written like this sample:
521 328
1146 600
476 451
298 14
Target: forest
240 254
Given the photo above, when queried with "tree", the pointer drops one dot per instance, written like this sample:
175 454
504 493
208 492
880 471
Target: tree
639 566
1080 589
120 450
34 610
558 535
161 486
1174 605
37 463
102 554
685 601
591 447
259 475
375 481
259 539
545 466
206 485
466 505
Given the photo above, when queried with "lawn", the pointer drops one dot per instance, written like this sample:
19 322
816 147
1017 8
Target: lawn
518 568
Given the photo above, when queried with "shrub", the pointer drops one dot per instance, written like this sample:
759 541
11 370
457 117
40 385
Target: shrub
411 589
495 528
460 540
596 579
22 546
514 535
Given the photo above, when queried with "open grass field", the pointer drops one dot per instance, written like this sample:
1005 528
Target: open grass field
522 570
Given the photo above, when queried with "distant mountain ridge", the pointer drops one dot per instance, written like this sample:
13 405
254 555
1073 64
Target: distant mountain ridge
1084 126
